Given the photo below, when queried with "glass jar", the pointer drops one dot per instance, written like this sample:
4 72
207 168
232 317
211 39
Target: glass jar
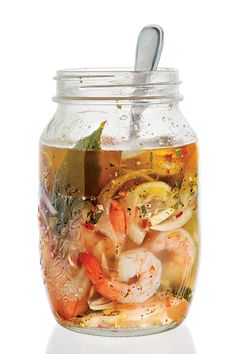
118 203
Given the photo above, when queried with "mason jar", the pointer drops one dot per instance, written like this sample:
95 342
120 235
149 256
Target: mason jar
118 202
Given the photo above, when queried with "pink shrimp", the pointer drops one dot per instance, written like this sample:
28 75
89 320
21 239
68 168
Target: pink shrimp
176 251
139 276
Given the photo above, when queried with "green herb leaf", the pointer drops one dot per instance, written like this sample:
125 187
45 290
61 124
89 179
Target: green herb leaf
92 141
186 293
177 184
115 197
144 211
119 106
176 206
178 152
66 195
151 157
95 218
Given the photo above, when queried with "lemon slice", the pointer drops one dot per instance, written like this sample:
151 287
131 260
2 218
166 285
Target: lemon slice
159 190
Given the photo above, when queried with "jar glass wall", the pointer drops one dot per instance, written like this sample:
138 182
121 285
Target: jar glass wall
118 203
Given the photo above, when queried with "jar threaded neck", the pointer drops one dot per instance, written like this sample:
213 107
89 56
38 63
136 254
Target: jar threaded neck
118 84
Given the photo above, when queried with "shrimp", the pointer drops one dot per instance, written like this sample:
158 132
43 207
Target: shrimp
67 283
176 251
113 224
113 221
85 237
139 276
159 310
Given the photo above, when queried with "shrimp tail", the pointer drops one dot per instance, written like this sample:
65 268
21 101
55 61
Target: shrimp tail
117 217
69 309
94 272
92 267
113 224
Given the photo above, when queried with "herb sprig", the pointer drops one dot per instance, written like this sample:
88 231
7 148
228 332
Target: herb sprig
93 141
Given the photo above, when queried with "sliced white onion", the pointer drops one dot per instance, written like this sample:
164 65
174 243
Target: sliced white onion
175 223
100 304
49 204
161 216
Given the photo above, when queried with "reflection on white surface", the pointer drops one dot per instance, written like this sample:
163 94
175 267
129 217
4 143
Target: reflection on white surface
176 341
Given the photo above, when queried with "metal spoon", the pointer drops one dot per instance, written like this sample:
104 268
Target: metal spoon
148 53
149 48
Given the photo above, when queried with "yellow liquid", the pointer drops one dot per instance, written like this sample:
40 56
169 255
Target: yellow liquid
119 238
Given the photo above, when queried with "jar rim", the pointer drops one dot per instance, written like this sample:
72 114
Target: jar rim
117 83
119 72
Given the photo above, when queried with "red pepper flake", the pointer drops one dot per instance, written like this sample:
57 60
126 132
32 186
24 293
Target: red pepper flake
144 223
179 214
122 195
88 226
101 326
168 156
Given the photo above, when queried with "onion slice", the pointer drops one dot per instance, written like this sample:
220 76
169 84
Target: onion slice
100 304
161 216
175 222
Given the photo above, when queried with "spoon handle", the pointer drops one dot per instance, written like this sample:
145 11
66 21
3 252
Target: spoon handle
148 53
149 48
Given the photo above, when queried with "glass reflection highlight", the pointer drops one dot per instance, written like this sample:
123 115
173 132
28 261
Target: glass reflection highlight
177 341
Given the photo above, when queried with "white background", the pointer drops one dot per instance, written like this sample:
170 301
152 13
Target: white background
39 37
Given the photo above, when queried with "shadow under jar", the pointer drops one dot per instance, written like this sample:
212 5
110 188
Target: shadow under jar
118 203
